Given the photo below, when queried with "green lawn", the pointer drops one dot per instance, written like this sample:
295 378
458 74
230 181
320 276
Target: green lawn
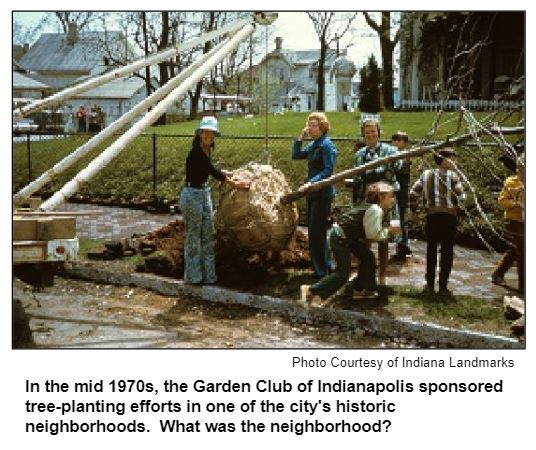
128 179
343 124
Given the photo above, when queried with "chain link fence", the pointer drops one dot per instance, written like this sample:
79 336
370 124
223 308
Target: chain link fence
151 168
150 172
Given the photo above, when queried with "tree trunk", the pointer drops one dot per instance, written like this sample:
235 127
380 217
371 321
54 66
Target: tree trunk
146 50
194 101
194 98
387 82
387 48
163 66
321 81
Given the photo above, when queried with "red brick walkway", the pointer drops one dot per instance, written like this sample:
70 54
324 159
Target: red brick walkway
470 275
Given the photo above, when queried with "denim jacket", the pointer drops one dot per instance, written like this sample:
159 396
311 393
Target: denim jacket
321 157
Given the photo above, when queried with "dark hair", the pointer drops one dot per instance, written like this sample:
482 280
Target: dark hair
400 135
359 144
196 142
442 154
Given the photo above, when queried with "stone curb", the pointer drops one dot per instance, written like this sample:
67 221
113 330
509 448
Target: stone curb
428 334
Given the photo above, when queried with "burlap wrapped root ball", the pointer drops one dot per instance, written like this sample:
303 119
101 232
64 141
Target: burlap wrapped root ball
255 219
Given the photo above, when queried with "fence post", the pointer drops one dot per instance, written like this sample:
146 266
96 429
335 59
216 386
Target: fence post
154 164
28 147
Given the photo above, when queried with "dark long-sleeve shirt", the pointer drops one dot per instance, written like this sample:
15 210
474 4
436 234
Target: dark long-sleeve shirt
199 166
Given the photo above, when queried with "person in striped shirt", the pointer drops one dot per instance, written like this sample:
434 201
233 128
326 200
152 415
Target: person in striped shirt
442 191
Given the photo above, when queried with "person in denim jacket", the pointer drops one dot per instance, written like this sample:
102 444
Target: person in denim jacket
321 157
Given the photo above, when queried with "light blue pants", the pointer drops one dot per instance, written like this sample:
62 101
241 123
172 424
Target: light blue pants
199 261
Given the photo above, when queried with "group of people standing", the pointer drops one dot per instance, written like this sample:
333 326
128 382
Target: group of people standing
91 120
381 197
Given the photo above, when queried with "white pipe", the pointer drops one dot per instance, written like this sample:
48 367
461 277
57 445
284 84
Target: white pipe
111 152
57 99
114 127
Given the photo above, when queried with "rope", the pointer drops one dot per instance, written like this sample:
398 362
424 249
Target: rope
266 154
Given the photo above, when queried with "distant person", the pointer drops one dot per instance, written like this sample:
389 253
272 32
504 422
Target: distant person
349 235
373 150
81 118
512 200
321 157
400 141
100 118
92 119
443 192
196 204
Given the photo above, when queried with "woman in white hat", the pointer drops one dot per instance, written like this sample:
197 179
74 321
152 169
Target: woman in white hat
196 204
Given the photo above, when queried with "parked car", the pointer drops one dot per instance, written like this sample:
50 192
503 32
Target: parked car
24 126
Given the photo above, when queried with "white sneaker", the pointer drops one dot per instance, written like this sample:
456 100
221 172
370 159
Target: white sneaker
305 293
307 298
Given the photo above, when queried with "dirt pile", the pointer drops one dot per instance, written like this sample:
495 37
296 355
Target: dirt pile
167 244
234 267
254 219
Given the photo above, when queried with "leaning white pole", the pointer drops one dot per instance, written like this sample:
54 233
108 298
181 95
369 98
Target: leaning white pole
69 160
111 152
57 99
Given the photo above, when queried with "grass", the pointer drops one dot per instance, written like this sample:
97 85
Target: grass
125 264
128 179
459 311
343 124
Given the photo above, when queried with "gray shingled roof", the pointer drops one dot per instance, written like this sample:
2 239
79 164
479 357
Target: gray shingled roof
22 82
122 88
307 56
52 53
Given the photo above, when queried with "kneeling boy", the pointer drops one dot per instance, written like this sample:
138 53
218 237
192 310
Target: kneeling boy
361 223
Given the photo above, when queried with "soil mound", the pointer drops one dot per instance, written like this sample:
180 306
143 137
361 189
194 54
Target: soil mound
254 219
235 267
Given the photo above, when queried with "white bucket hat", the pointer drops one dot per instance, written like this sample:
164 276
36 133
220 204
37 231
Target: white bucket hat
209 123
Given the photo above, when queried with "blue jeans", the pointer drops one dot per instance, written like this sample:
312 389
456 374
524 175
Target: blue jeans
341 249
199 260
318 210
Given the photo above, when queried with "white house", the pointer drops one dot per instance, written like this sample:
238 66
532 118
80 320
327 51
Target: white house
114 98
25 88
292 78
61 59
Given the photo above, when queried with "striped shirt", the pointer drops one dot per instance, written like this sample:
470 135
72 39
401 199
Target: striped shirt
442 191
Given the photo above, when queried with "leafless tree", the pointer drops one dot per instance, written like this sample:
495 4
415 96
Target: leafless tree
80 18
387 47
328 26
23 34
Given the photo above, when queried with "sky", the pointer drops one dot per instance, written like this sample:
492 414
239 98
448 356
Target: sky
297 32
